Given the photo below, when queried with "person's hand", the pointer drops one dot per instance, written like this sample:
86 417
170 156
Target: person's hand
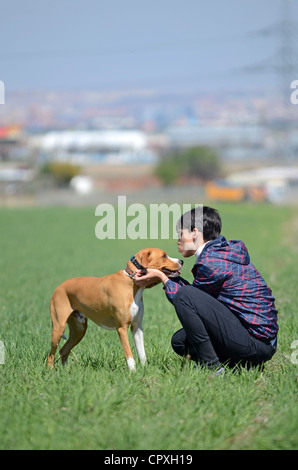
149 277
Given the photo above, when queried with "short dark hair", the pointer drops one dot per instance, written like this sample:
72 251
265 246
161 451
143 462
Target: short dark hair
193 219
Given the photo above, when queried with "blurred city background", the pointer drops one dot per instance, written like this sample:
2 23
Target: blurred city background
161 101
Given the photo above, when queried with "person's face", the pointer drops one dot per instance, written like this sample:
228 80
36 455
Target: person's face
189 242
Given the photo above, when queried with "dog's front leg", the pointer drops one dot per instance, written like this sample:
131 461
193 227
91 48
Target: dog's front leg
122 332
136 328
138 337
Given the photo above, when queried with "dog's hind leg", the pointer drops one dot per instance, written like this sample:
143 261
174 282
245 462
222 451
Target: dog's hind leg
57 332
60 309
77 324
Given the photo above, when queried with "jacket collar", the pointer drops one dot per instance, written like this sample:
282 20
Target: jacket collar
217 241
199 250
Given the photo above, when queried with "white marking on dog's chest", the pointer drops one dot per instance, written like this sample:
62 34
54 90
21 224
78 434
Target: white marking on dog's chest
137 305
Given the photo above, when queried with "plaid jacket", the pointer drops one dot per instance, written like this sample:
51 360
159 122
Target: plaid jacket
224 271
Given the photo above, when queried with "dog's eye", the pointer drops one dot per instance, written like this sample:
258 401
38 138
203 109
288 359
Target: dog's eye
165 256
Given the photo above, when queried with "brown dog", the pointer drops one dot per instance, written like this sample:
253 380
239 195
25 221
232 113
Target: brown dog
113 302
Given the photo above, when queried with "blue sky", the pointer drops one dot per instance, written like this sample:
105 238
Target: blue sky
157 44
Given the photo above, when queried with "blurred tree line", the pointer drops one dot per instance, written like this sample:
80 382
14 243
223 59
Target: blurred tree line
194 162
60 172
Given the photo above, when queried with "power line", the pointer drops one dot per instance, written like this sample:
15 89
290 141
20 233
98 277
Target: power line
285 61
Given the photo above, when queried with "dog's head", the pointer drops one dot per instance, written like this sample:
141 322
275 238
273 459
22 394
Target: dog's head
157 259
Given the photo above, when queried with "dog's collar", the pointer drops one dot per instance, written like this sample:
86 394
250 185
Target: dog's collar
129 272
134 261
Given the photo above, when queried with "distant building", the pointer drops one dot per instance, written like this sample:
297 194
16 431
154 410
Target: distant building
216 135
278 182
10 142
83 147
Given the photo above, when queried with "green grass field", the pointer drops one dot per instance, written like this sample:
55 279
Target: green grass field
94 402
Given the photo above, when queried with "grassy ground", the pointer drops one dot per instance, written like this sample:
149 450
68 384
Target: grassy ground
94 402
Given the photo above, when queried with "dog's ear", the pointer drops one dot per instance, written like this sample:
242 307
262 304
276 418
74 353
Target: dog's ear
145 257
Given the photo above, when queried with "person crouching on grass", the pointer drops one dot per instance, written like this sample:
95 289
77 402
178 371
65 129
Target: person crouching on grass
228 313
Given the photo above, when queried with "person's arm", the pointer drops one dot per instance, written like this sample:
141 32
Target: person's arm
209 278
152 276
172 286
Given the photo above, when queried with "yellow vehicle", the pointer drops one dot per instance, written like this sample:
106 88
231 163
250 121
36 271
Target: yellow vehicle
222 191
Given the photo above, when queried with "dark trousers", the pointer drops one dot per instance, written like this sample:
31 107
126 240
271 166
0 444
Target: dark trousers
212 334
